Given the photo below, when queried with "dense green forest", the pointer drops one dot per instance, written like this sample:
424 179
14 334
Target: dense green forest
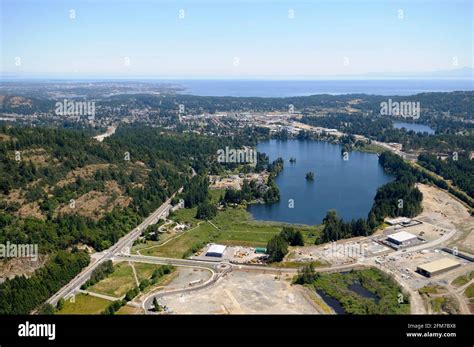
460 170
20 295
148 165
42 166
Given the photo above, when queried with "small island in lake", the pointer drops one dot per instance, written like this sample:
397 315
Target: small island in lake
310 176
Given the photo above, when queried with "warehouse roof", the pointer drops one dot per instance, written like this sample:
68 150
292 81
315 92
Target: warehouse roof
438 265
398 220
216 249
402 236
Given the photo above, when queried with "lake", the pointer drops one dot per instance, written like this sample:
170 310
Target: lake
349 187
419 128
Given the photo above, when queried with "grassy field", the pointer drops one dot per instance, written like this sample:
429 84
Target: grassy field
234 227
117 283
84 304
469 292
144 271
371 148
129 310
462 280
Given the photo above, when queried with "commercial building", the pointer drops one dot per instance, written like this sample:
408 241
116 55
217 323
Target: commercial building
437 267
215 251
402 238
399 220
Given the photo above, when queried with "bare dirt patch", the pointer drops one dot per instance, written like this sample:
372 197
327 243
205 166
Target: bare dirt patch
30 209
442 209
10 268
96 204
14 197
244 293
4 137
85 172
38 156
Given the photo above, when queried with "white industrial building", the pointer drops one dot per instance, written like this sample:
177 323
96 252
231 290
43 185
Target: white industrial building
402 238
215 251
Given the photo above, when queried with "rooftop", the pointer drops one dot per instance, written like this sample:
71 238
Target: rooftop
439 264
216 249
402 236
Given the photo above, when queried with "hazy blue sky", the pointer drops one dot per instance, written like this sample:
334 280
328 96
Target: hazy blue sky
233 38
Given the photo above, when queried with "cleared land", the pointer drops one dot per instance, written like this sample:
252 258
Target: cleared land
442 209
245 293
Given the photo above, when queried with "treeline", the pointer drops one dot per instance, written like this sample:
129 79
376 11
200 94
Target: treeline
206 211
21 295
335 228
196 191
69 230
277 246
100 272
460 171
397 198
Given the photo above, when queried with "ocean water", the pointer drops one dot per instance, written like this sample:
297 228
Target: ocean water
280 88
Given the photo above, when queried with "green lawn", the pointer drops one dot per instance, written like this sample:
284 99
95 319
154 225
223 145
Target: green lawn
117 283
84 304
235 227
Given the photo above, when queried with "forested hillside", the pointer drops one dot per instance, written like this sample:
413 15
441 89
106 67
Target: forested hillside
61 189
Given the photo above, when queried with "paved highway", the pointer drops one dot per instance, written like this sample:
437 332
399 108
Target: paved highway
108 254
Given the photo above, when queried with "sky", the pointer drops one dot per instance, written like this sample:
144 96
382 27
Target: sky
233 39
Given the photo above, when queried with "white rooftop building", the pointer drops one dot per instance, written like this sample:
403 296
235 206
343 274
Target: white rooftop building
215 251
402 238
